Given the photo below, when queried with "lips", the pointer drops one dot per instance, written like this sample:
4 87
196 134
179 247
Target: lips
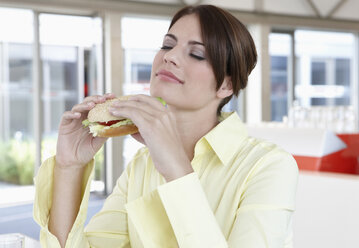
168 76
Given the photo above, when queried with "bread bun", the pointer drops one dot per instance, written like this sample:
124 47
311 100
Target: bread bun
100 113
118 131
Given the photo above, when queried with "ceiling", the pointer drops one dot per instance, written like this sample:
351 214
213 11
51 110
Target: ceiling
326 12
326 9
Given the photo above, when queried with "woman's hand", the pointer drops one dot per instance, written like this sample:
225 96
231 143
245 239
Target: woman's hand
75 145
158 130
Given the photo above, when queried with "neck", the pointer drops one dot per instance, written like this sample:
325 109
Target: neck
192 126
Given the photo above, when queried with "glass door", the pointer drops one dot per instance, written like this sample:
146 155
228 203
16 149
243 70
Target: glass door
16 91
69 54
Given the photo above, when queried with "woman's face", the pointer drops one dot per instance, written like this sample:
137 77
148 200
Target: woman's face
181 73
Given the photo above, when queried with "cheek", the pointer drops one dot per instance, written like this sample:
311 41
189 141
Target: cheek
156 61
204 77
155 65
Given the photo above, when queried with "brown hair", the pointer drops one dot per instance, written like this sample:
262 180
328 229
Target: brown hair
229 46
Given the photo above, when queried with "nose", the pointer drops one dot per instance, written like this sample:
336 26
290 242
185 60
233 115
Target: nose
172 56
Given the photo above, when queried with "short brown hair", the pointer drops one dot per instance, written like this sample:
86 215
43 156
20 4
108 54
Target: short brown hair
229 46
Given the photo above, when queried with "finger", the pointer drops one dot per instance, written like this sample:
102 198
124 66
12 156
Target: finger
95 98
68 116
148 124
136 105
97 142
90 102
149 100
137 115
109 95
139 138
99 98
83 107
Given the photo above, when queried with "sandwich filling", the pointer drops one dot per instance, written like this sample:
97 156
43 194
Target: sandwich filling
96 127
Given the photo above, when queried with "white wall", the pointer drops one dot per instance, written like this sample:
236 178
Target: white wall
327 212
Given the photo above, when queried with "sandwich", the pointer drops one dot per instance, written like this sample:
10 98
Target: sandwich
102 124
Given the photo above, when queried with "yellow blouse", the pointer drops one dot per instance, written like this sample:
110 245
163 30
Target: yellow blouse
241 194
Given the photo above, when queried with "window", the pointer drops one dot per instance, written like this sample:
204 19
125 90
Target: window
20 87
16 92
140 72
280 54
342 77
324 65
69 47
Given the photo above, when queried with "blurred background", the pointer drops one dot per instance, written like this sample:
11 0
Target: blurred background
302 95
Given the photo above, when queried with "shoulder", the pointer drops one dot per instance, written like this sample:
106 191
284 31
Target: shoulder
272 177
268 159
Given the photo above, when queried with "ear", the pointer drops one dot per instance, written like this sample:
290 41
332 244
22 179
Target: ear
225 89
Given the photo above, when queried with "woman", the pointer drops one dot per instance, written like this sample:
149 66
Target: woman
200 181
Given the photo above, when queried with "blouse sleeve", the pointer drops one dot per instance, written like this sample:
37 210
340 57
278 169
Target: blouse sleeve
264 216
188 220
102 231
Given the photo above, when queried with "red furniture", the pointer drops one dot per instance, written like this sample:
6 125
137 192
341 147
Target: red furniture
315 149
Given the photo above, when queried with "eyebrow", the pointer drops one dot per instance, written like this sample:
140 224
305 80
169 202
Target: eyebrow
192 42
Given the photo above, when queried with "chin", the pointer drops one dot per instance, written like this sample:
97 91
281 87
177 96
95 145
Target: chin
171 95
157 91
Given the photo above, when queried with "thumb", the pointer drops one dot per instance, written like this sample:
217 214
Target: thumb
139 138
97 142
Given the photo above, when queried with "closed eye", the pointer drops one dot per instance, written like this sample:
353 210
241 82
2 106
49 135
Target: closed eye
166 47
197 57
